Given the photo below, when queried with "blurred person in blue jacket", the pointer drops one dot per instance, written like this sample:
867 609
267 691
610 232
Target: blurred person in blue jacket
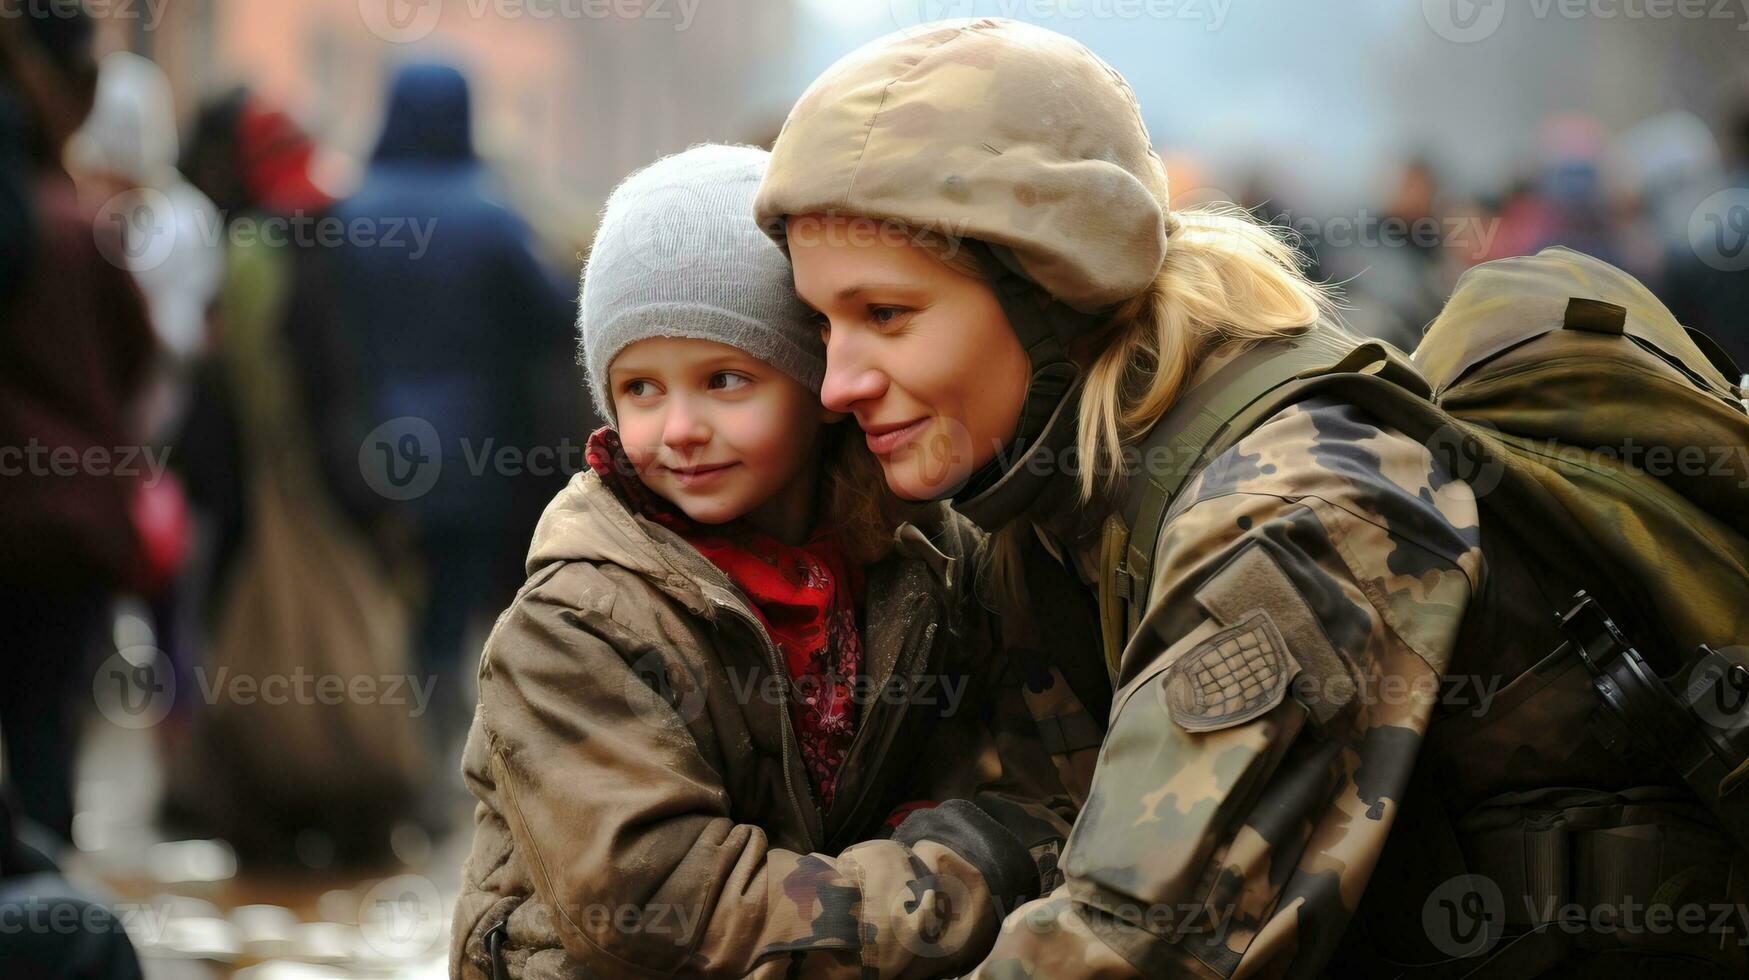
443 310
1706 280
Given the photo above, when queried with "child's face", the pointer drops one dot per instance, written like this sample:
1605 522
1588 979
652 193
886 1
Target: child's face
717 433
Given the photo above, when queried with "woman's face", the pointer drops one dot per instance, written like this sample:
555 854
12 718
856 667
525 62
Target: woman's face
919 352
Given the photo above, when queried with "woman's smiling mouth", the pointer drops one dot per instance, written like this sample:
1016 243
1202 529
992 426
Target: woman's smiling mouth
884 439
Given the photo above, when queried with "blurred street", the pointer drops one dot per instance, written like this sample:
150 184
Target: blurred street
194 915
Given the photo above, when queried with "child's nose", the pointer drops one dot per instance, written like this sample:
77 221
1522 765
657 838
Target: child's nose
684 426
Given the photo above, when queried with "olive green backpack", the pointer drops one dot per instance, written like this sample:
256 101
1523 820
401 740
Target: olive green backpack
1604 434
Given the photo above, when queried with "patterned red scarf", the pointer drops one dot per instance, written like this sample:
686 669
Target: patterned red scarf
806 597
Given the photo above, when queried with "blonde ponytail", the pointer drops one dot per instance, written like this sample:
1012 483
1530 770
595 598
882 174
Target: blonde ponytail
1226 278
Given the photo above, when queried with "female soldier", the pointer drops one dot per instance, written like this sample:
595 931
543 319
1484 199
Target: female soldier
1010 308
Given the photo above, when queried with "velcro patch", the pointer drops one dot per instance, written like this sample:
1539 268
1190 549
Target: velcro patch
1230 678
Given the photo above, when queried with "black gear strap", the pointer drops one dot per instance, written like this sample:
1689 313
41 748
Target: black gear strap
1045 327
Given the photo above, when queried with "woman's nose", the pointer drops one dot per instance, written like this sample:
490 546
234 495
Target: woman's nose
851 379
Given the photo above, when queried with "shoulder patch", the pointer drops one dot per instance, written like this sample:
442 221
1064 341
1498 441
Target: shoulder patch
1230 678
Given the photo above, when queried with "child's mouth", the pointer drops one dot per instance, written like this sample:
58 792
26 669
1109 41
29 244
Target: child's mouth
693 476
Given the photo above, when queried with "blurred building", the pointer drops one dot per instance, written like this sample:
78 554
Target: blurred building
570 95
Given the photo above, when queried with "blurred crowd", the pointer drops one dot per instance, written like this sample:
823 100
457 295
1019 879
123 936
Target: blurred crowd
196 342
270 416
1667 200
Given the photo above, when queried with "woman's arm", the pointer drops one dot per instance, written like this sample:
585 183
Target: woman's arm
1306 599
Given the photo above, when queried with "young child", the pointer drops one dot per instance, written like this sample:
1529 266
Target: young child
706 719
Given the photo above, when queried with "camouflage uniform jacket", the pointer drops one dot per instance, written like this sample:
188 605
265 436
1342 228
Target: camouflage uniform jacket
1309 589
642 805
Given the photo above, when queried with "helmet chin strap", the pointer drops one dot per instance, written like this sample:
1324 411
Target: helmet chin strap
1000 489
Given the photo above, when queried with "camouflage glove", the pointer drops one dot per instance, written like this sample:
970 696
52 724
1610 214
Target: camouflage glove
1001 857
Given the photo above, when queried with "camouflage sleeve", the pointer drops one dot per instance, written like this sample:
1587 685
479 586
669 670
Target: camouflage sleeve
997 757
1308 591
633 845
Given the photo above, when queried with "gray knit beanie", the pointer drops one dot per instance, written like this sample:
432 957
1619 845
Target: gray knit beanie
678 255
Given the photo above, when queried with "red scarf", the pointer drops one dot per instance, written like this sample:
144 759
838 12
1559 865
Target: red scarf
805 596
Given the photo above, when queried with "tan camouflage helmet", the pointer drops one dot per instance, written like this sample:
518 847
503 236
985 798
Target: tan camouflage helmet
986 129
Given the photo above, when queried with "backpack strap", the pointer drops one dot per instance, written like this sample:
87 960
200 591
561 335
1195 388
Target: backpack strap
1206 421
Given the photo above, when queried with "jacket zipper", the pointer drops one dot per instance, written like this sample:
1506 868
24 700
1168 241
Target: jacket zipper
816 835
891 729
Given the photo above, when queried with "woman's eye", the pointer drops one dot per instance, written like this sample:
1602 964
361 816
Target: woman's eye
729 380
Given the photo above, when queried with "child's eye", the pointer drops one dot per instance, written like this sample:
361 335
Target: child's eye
822 324
638 388
729 380
884 316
